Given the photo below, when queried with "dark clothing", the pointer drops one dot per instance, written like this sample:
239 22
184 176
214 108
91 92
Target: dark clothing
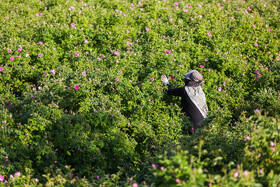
187 105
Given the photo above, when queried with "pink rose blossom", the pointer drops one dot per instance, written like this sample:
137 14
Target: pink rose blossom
152 79
1 68
76 54
134 185
117 79
98 59
208 34
269 29
84 73
246 173
260 171
17 174
9 50
76 87
168 51
6 17
202 66
116 53
186 11
12 58
1 178
236 174
39 55
19 49
73 25
147 29
177 180
40 43
86 41
172 77
256 44
272 144
219 89
153 166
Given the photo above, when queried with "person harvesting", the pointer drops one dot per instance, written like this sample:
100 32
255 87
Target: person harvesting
193 101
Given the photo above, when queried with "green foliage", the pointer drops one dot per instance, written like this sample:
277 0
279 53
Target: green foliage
80 87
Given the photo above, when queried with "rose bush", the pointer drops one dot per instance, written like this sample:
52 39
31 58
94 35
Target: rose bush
80 88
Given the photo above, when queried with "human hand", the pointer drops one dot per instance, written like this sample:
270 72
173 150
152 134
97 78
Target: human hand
164 79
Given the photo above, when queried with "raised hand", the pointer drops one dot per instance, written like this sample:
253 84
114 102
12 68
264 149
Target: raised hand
164 79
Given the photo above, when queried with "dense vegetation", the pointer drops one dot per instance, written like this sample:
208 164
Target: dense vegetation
82 103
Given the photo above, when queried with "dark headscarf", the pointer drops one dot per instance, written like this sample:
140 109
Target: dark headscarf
193 78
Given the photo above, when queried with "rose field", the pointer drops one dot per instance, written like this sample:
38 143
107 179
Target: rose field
82 102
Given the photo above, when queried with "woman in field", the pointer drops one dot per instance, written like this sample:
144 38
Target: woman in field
193 100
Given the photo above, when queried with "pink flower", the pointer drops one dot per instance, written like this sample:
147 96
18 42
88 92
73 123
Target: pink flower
153 166
52 71
127 31
116 53
9 50
1 178
168 51
202 66
76 87
98 59
117 79
39 55
256 44
19 49
86 41
84 73
134 185
272 144
236 174
260 171
1 68
76 54
6 17
277 58
128 43
17 174
12 58
186 11
163 36
254 25
177 180
208 34
269 29
219 89
205 60
40 43
147 29
73 25
172 77
246 173
152 79
170 19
